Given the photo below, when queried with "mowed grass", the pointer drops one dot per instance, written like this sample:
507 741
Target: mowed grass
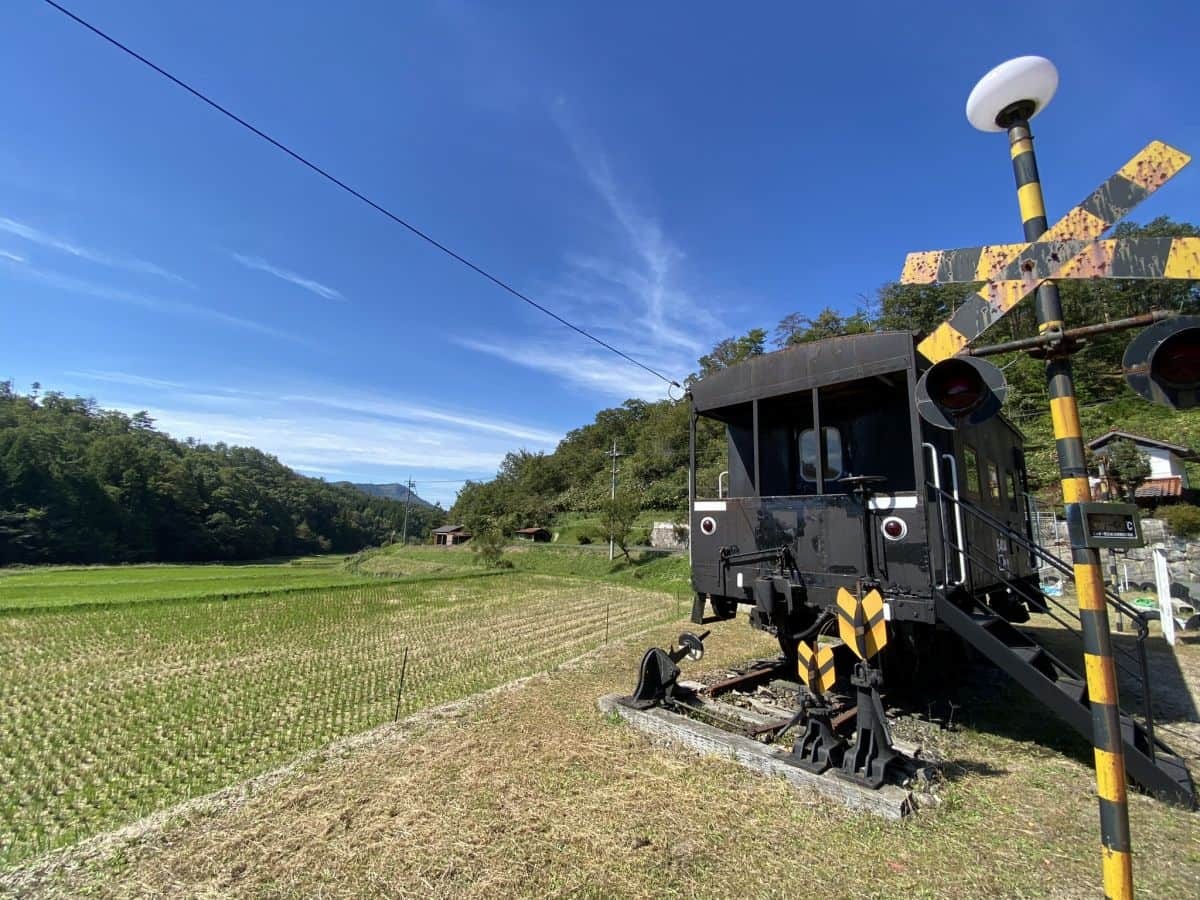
532 793
108 713
65 586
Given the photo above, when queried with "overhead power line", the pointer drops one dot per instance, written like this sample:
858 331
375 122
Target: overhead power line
500 283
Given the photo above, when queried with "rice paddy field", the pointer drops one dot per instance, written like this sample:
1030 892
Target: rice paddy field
66 586
125 690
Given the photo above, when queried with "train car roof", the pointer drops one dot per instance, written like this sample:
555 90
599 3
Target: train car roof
806 366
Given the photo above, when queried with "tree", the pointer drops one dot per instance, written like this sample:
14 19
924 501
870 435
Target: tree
730 352
488 539
617 516
83 484
797 328
1126 465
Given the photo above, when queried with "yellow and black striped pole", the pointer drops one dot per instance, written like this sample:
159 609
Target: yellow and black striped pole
1093 613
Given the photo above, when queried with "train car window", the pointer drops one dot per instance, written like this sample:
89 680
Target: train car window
993 475
781 420
809 453
871 418
1012 492
970 475
739 441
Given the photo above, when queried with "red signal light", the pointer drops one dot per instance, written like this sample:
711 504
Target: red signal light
959 391
1177 362
1162 363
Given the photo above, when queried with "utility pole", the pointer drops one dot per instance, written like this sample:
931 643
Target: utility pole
407 502
613 496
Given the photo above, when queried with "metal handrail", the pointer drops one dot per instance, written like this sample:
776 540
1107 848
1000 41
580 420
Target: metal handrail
1112 599
958 522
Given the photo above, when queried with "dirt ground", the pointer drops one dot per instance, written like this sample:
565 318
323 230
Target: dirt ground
529 791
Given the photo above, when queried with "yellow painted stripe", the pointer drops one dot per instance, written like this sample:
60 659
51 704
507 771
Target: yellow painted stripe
1118 874
1064 416
1184 259
943 343
1078 225
1017 147
921 267
1088 586
994 258
1093 262
1101 680
1029 198
1076 490
1046 326
1004 295
1110 776
1156 163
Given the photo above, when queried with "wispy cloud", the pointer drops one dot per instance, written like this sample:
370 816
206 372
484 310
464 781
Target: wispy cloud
11 257
52 242
74 285
109 377
593 371
315 287
407 412
629 291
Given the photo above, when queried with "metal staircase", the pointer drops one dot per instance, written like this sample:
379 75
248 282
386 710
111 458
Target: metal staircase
1149 762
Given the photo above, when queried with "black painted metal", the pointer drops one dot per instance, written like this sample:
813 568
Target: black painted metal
817 748
1063 691
872 755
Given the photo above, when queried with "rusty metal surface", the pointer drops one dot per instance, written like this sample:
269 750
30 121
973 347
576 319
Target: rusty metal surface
751 678
1014 270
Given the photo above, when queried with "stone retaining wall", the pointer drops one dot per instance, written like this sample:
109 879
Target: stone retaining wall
1183 555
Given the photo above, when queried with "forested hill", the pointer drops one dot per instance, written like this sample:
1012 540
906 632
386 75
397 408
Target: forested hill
532 487
83 484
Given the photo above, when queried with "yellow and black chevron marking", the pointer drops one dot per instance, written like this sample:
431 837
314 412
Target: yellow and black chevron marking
861 625
816 667
1112 201
872 606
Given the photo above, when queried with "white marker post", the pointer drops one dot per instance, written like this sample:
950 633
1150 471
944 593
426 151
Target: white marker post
1162 581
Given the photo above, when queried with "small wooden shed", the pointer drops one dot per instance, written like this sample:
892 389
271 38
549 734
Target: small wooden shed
536 533
449 535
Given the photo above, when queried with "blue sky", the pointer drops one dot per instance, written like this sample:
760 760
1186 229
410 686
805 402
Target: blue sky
666 174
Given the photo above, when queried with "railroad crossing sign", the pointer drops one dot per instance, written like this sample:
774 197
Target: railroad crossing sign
816 667
1070 249
861 624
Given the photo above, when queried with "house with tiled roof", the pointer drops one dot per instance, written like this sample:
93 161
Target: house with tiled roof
1168 476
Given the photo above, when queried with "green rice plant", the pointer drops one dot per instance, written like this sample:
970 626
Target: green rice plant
108 713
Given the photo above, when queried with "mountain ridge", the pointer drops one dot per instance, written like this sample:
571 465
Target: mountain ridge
389 491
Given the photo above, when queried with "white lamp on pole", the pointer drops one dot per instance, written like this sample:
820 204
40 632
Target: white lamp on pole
1021 87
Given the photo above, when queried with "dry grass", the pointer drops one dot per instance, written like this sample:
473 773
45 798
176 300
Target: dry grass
530 792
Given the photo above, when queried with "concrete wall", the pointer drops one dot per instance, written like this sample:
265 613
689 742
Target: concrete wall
663 536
